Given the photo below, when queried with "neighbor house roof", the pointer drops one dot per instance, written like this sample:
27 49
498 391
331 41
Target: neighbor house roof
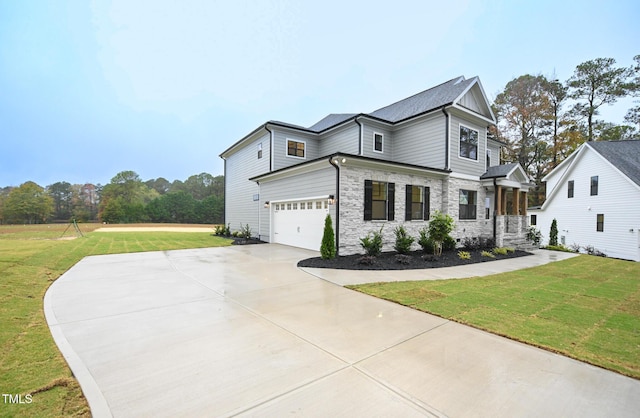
624 155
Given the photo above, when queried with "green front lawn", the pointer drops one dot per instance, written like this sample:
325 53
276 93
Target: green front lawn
586 307
31 258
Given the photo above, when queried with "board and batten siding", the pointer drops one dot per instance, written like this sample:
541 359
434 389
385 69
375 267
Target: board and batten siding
368 129
577 216
421 142
346 139
280 157
313 184
465 165
239 206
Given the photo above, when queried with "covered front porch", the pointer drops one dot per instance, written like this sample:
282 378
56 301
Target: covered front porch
507 187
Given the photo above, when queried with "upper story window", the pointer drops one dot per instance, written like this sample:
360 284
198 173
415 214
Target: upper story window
379 197
570 189
467 208
594 186
260 150
468 143
378 142
417 203
296 148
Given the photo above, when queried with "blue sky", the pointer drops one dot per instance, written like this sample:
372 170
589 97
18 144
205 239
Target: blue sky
162 87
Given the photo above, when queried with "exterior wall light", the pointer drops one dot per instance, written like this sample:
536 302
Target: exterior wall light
266 204
332 199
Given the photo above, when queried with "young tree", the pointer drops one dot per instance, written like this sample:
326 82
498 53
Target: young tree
328 246
595 83
440 226
553 233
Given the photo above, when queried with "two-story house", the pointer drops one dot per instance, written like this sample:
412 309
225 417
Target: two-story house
594 195
390 167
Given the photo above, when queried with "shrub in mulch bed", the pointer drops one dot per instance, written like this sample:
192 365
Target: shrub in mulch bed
413 260
244 241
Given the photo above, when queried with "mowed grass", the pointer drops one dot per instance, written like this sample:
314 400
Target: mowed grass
585 307
31 258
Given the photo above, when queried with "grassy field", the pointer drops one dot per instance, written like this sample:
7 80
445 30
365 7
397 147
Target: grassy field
586 307
31 258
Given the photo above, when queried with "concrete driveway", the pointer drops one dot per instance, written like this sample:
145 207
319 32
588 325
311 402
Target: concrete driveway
242 331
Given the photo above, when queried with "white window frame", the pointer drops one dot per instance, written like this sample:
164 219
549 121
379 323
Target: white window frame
461 125
260 150
381 142
286 148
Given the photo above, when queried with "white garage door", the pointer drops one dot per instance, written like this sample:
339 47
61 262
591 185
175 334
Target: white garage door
300 223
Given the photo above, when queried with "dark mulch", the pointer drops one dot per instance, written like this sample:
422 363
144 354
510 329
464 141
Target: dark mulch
415 260
243 241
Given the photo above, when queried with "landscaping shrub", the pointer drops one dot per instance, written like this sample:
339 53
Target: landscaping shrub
245 231
477 243
534 235
558 247
449 244
440 226
510 249
403 241
500 251
464 255
488 254
372 243
367 260
328 246
220 230
403 258
591 250
553 233
425 241
575 247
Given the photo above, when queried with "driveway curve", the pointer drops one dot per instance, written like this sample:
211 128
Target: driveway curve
242 331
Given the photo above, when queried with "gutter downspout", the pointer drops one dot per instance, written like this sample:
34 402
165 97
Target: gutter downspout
360 139
266 126
259 217
446 141
495 209
224 202
337 204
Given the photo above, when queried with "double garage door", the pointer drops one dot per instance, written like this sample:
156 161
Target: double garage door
299 223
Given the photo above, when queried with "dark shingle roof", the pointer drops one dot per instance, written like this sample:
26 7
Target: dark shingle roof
331 120
624 155
498 171
433 98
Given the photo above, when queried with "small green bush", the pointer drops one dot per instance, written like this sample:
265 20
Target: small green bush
510 249
328 246
227 230
372 243
464 255
553 233
219 230
403 240
245 231
534 235
440 226
425 241
488 254
559 247
500 251
449 244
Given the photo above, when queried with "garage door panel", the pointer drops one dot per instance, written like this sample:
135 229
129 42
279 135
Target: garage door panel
299 227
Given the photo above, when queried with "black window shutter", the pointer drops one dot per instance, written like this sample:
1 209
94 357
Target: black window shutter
368 199
427 203
391 199
407 205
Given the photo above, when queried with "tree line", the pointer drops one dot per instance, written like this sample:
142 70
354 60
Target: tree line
543 120
125 199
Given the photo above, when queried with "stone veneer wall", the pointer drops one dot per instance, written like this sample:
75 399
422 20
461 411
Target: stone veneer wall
444 197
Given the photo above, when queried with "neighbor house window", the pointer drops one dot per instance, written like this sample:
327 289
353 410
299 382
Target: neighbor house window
594 186
570 189
295 148
467 204
534 220
378 140
260 150
417 203
488 159
600 222
468 143
379 199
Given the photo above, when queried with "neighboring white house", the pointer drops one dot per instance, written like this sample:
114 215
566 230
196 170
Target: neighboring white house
391 167
594 195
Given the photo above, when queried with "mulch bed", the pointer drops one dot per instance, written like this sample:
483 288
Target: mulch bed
416 260
243 241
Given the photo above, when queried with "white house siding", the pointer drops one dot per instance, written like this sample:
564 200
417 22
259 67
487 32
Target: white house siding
305 186
280 157
576 217
388 142
466 165
239 206
421 142
345 139
352 223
